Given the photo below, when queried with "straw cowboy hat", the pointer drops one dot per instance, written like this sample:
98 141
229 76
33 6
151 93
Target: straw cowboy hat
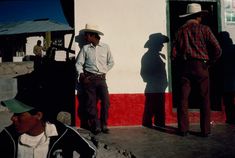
92 28
193 9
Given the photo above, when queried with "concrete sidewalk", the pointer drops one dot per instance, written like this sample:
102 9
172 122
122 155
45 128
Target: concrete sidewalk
141 142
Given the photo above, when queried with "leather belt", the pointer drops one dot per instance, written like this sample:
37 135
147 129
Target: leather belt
94 76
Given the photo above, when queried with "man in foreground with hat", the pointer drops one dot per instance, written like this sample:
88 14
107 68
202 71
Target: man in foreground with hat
34 134
194 49
93 62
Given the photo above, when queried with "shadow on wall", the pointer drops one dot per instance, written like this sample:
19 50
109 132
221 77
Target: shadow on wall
80 39
82 113
153 72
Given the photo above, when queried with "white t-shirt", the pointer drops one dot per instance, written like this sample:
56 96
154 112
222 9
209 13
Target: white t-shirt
36 146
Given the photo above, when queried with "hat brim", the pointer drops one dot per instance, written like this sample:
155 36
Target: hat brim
94 31
201 13
16 106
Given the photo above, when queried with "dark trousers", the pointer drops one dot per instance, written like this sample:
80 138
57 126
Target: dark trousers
194 72
37 63
94 91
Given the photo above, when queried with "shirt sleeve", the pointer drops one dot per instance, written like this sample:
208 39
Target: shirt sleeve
85 148
216 50
110 61
79 62
175 49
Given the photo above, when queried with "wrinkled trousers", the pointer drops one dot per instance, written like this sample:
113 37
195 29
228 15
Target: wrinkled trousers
96 90
194 72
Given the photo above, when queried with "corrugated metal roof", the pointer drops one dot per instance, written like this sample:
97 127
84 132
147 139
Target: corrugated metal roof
35 26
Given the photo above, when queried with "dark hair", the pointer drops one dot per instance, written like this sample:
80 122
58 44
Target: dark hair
45 116
39 42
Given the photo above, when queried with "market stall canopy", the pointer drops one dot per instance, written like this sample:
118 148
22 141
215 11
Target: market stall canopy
68 10
35 26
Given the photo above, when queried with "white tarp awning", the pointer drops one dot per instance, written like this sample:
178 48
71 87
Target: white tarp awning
44 25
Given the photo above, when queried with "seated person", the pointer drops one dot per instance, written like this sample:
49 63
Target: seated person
33 134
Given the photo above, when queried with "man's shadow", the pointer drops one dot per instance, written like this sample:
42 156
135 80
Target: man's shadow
82 112
153 72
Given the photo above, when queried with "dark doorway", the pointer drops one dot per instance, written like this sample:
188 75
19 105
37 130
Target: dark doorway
176 8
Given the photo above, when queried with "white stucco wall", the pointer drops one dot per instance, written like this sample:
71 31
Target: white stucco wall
31 42
127 25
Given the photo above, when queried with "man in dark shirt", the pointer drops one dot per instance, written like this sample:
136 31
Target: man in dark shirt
194 49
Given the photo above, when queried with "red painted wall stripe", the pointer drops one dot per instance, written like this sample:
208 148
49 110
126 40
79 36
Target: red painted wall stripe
128 109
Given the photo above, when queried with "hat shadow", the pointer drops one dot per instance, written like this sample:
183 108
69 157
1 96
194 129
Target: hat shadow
80 39
156 41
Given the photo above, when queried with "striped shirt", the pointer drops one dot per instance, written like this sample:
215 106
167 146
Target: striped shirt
196 41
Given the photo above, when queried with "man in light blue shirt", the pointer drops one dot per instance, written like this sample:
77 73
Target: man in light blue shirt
93 62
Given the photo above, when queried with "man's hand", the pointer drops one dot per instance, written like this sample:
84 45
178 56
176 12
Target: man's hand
83 79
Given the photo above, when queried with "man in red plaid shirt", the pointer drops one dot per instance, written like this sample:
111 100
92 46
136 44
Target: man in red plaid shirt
194 49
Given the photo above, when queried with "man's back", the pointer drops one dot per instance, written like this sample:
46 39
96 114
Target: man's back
37 50
194 41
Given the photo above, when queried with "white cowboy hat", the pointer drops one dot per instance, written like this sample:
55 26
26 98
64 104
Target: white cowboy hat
194 8
92 28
